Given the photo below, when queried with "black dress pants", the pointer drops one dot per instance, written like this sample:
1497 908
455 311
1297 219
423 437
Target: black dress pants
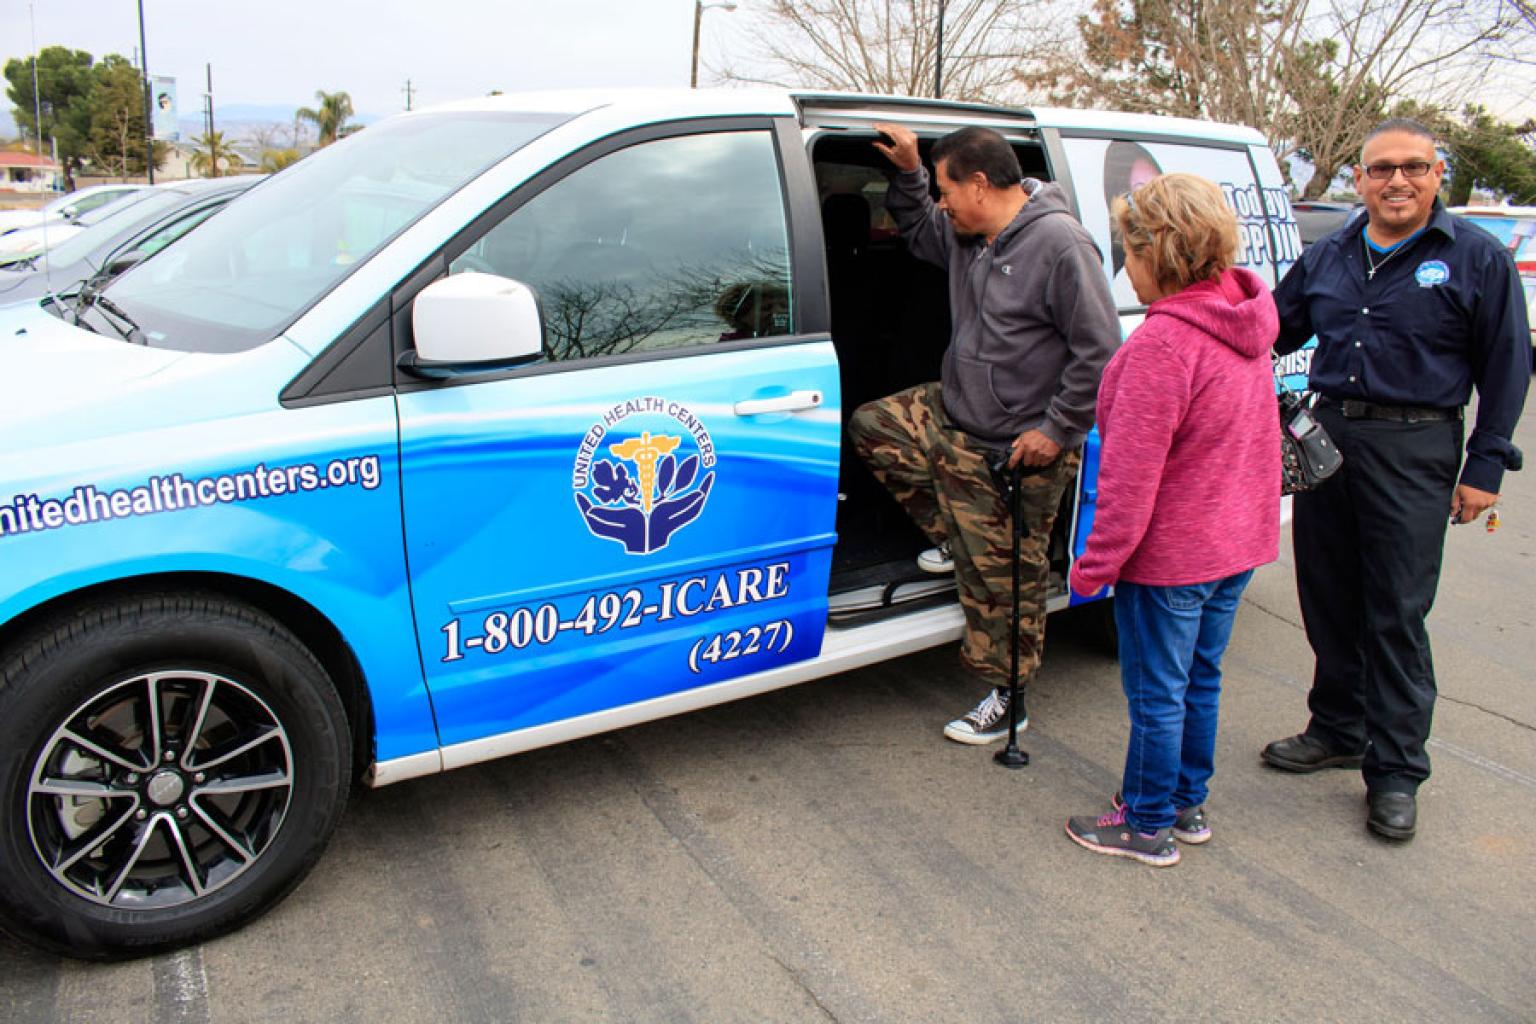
1368 546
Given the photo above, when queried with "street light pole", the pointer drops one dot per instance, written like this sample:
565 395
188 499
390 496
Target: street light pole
699 6
149 117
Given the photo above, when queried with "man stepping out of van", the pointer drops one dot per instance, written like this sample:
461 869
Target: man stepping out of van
1034 325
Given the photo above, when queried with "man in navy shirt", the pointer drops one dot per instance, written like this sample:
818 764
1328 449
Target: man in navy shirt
1412 308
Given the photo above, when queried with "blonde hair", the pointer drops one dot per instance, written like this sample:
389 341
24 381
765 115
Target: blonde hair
1181 226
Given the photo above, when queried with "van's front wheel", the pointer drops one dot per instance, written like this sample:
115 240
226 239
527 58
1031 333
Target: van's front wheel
170 767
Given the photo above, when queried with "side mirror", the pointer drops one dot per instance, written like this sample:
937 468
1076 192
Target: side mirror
70 212
473 323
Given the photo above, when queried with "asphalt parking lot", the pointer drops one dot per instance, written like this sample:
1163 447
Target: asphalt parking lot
823 854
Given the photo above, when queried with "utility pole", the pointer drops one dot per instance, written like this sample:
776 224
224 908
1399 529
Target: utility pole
213 157
409 93
149 117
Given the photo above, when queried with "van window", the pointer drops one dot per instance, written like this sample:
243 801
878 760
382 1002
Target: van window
665 244
1103 169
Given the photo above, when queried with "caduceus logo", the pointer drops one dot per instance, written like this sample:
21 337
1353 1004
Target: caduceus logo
654 482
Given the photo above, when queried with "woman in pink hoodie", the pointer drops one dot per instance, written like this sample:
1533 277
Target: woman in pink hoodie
1189 501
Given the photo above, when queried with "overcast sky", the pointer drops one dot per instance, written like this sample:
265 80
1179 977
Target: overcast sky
278 52
281 51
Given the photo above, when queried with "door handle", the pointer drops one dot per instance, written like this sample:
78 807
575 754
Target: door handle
795 401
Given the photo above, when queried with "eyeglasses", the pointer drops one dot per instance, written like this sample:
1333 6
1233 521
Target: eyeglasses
1384 171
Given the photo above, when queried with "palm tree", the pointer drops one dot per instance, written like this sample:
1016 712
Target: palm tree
213 155
329 116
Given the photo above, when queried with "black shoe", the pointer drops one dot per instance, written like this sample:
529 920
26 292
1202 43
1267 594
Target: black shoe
986 723
1394 815
1303 753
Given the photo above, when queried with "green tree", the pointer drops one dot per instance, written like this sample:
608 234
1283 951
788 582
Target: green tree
65 81
1483 152
115 141
329 115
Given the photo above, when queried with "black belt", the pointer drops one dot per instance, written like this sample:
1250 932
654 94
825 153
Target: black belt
1353 409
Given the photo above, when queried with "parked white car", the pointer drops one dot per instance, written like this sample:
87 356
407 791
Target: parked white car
65 208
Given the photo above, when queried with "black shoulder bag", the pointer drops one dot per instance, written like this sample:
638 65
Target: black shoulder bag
1308 455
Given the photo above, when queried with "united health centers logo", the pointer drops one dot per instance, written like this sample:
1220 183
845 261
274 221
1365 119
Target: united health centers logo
1431 273
643 471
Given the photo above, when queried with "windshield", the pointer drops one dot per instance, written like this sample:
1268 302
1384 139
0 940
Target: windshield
246 275
109 221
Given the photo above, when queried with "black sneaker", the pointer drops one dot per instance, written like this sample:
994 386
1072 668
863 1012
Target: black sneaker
987 722
1113 835
1190 825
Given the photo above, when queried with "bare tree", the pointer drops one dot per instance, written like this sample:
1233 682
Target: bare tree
1214 59
1436 52
1313 75
890 46
267 135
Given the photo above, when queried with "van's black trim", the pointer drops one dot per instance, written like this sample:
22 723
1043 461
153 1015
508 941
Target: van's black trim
846 101
813 311
355 365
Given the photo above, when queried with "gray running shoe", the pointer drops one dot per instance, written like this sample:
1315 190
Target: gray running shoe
1190 826
1113 835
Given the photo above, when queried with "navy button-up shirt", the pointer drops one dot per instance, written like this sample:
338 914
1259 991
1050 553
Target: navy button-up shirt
1444 313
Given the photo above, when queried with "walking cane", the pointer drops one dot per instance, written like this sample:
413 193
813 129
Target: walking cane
1013 494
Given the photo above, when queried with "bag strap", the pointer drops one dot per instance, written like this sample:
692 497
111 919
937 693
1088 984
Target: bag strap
1281 387
1291 400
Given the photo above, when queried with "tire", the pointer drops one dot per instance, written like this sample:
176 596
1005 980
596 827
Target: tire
171 766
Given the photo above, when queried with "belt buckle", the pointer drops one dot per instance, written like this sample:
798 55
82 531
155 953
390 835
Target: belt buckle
1354 409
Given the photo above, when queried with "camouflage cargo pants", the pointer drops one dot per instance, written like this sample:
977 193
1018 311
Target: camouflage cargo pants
940 476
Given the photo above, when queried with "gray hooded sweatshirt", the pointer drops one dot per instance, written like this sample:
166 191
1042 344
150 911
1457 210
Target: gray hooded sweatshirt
1034 323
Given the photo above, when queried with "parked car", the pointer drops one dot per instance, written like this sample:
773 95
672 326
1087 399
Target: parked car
1515 226
1316 219
486 428
28 243
65 208
118 236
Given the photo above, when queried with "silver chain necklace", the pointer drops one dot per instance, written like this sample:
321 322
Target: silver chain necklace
1372 265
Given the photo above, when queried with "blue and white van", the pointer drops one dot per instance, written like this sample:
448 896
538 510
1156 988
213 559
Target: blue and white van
486 428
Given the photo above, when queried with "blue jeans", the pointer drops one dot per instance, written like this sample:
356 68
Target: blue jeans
1171 643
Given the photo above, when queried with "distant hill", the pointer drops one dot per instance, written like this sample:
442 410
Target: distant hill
232 118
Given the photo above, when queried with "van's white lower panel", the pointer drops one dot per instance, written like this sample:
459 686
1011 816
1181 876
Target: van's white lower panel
841 651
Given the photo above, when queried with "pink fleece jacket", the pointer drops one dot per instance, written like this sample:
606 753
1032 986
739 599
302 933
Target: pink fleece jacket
1189 482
